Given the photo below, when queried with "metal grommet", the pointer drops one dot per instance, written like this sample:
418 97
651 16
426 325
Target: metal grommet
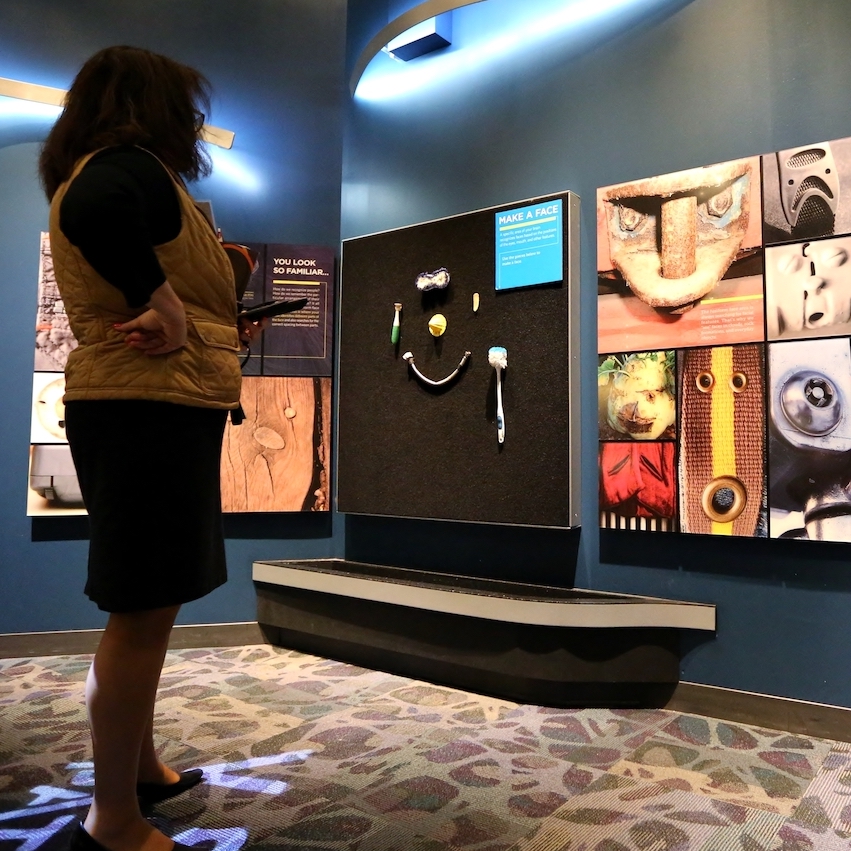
705 381
738 381
724 499
811 403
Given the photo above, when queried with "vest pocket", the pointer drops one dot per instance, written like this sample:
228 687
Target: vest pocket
219 373
217 336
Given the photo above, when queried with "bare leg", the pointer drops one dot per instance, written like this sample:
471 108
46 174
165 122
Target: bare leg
120 693
151 769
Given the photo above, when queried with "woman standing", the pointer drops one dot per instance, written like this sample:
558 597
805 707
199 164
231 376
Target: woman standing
150 297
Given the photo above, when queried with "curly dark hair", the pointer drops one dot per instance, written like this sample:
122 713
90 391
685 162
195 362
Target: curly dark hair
130 96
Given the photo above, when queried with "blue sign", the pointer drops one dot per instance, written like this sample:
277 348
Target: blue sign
529 245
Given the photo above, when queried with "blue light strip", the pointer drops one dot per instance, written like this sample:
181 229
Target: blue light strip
13 108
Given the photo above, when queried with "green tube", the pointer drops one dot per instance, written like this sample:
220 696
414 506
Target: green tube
397 321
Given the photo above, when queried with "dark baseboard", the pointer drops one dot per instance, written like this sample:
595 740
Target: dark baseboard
69 642
764 710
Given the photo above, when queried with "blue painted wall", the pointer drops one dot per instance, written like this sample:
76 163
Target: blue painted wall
277 70
684 85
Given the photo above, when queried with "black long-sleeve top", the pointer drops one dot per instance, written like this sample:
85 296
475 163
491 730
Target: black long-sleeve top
121 205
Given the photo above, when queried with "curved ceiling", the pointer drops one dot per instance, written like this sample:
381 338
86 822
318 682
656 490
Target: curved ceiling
488 32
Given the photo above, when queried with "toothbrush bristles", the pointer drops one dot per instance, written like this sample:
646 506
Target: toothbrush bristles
498 357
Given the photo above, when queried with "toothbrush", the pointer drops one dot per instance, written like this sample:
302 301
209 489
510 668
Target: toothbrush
498 359
394 331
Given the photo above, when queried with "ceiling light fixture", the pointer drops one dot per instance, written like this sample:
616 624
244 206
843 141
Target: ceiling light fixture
426 37
416 15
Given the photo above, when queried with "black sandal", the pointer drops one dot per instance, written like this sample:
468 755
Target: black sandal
153 793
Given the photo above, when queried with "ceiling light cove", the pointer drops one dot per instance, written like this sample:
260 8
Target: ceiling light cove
484 33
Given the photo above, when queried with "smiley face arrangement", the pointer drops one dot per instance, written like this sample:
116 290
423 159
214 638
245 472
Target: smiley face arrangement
427 282
437 324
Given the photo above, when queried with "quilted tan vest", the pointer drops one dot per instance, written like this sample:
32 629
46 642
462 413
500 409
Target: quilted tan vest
205 372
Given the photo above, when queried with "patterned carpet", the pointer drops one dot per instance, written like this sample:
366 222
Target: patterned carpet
305 753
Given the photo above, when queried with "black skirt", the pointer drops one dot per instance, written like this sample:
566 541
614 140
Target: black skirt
149 475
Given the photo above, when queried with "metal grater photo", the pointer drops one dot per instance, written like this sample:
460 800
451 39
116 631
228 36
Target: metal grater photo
809 189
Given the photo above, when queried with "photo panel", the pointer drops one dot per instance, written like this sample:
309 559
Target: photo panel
54 340
803 192
52 486
808 289
278 459
636 396
809 412
761 438
47 422
679 259
638 486
722 445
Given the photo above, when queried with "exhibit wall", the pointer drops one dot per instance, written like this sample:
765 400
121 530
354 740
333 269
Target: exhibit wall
277 74
653 89
468 402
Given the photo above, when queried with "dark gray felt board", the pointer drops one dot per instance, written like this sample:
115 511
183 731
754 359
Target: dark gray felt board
408 450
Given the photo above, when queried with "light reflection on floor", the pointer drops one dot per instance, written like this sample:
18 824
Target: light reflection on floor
51 799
